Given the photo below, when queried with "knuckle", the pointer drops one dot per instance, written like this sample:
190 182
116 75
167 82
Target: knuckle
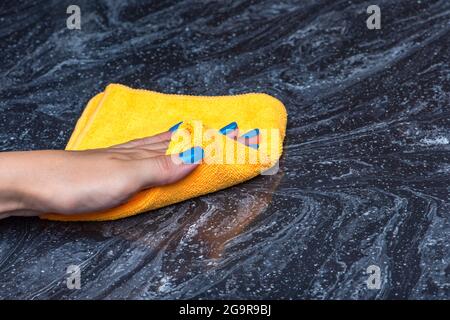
165 164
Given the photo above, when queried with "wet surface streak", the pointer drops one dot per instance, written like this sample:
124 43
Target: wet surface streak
363 181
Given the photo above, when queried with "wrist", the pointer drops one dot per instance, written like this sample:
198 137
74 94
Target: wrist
11 199
12 185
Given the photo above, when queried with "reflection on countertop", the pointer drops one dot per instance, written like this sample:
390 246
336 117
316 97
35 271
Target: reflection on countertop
363 180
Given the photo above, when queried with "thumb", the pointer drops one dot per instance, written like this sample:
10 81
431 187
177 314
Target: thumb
168 169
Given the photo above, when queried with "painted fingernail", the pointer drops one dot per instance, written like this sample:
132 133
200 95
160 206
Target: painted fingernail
229 128
250 134
251 138
193 155
175 127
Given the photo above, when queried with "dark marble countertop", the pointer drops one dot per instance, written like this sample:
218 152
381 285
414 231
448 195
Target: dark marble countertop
363 180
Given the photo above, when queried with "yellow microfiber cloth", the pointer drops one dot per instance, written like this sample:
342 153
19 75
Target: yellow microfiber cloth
120 114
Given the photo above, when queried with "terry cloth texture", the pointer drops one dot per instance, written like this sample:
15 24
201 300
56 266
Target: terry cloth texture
120 114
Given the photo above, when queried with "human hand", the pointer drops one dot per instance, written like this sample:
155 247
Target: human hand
73 182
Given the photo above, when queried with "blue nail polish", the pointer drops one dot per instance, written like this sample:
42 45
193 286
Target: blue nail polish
229 128
254 146
193 155
175 127
250 134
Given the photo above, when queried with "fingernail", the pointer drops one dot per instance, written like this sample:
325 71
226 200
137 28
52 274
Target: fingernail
229 128
251 138
193 155
175 127
250 134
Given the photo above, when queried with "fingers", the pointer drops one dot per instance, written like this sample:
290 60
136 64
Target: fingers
250 138
230 130
142 148
163 137
137 153
157 148
166 169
